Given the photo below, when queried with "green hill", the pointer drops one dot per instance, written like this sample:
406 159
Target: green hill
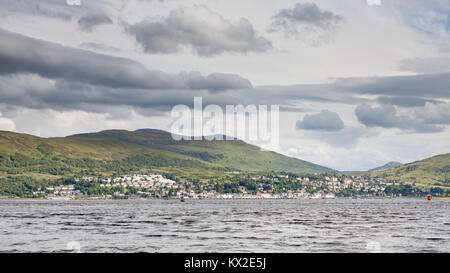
44 157
119 151
431 171
233 154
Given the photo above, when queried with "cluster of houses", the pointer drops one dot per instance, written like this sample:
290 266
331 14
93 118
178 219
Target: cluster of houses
358 183
144 181
62 192
158 186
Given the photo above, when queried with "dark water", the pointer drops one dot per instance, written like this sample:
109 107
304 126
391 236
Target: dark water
378 225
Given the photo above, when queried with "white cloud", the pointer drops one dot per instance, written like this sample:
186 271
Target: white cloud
7 124
434 113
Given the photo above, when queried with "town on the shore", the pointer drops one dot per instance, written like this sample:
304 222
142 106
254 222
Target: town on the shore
237 186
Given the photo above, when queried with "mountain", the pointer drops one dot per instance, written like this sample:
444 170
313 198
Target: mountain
122 151
431 171
22 154
386 166
234 154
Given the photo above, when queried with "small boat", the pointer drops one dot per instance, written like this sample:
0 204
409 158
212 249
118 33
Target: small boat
182 199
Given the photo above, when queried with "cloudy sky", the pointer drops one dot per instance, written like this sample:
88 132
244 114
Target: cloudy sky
358 85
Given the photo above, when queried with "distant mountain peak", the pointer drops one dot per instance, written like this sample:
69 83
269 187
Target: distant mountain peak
389 165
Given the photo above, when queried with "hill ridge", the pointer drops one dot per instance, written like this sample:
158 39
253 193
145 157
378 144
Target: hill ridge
203 149
117 144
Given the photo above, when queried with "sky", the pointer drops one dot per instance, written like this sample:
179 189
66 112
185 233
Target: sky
358 84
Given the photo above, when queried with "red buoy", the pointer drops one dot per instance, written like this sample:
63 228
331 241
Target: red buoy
430 198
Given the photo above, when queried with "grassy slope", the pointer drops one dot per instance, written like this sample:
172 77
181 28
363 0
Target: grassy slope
233 154
97 149
431 171
54 150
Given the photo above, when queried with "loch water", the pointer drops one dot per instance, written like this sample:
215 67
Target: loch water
332 225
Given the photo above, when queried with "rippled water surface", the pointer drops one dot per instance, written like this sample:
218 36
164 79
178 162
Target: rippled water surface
340 225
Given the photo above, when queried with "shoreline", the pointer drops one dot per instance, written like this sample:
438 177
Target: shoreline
211 199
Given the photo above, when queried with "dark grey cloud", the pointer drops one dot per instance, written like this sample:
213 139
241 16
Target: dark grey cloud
405 101
21 54
33 91
386 117
413 89
197 27
433 86
85 79
323 121
397 90
313 93
38 74
306 13
89 21
306 20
